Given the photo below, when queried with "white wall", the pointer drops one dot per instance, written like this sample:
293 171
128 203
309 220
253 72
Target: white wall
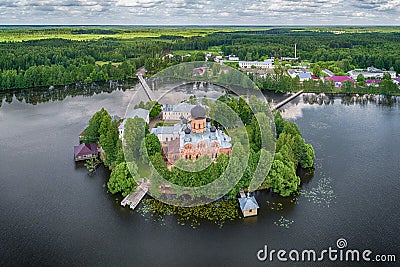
174 116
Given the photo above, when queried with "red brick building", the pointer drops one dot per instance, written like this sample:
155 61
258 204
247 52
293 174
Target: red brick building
197 138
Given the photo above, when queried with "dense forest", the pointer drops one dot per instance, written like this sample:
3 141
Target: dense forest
62 61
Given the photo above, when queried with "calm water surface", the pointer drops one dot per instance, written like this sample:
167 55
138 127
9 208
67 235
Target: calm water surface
54 214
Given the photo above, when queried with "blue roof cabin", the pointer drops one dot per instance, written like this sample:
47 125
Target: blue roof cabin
248 205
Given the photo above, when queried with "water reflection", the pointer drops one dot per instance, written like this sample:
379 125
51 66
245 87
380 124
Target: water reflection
295 109
41 95
329 99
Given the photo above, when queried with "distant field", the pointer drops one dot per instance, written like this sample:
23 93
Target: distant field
351 29
82 33
19 34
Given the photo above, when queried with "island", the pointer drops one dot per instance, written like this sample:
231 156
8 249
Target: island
195 138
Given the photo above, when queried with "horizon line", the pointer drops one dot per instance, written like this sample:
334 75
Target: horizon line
200 25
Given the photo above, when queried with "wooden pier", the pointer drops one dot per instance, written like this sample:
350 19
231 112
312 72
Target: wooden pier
287 100
134 199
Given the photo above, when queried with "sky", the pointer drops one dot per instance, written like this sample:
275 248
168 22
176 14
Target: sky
200 12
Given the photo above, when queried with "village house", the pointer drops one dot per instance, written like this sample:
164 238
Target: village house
339 80
303 74
371 73
233 58
396 81
373 82
218 58
266 64
85 151
262 73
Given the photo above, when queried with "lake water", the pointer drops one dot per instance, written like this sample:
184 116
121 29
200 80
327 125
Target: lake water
54 214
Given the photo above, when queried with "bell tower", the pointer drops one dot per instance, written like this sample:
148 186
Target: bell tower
198 122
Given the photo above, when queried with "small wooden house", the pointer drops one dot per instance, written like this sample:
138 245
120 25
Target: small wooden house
248 205
85 151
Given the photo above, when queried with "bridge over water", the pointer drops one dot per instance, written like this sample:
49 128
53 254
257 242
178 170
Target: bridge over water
150 94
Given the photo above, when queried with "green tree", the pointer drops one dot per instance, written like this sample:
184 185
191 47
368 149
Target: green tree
198 56
121 180
155 110
317 70
91 133
119 154
360 80
134 133
152 144
307 156
109 138
91 165
282 178
347 86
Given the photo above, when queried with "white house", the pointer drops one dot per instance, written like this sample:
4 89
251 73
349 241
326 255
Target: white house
266 64
233 58
167 133
140 113
176 112
303 74
371 73
218 58
397 82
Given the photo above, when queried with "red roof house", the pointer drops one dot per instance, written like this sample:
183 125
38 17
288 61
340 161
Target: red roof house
370 82
339 80
85 151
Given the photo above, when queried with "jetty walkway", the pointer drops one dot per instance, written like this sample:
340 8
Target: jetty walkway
134 199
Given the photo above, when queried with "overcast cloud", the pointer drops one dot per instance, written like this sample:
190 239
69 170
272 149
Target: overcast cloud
201 12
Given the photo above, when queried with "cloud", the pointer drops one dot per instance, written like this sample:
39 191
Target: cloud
140 3
7 4
384 5
263 12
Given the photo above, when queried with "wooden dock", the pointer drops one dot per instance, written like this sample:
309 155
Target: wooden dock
287 100
134 199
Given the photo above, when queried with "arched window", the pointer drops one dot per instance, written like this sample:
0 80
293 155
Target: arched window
199 126
166 139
